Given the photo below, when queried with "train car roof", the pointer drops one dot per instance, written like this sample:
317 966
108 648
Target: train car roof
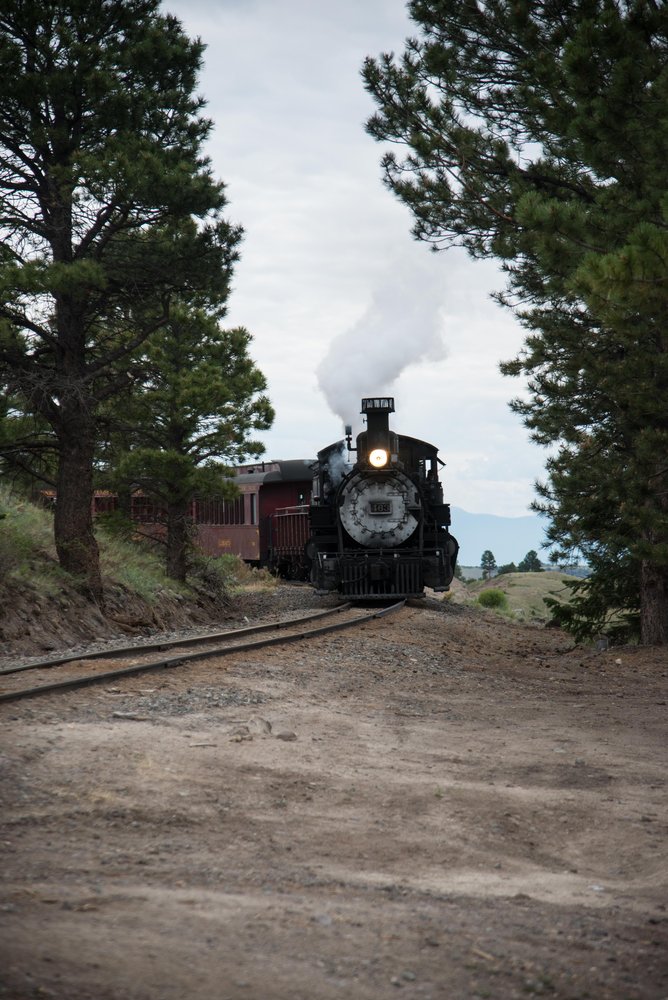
295 470
418 442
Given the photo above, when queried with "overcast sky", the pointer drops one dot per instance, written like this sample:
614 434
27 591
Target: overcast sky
339 298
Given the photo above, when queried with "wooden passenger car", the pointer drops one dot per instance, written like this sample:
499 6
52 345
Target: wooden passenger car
266 524
244 526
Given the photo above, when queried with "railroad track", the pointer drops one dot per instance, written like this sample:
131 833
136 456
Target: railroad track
137 657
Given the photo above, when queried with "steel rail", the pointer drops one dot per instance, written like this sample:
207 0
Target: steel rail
176 661
146 647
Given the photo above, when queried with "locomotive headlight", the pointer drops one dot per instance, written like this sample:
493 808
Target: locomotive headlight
378 458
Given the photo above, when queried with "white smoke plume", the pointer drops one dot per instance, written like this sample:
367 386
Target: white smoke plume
339 464
401 327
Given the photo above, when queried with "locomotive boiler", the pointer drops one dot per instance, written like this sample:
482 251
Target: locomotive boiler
378 525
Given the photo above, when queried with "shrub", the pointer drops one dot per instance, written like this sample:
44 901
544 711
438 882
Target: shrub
212 577
493 599
230 574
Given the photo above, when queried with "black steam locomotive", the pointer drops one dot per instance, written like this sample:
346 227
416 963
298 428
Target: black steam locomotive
379 527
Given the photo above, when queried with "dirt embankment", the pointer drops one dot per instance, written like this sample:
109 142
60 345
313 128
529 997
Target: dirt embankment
34 621
443 804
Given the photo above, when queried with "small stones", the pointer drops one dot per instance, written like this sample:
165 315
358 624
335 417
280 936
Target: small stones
260 726
407 976
240 734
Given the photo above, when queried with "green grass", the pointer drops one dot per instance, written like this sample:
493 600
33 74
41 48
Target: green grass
241 576
25 530
524 593
135 567
493 598
28 555
27 550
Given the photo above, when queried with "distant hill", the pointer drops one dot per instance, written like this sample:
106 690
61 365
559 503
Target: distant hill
508 538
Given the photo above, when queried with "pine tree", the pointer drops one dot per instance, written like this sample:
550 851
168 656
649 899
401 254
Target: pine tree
530 563
28 452
487 564
107 211
536 134
202 397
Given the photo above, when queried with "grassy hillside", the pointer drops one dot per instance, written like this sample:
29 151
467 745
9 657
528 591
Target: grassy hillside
41 606
28 555
525 592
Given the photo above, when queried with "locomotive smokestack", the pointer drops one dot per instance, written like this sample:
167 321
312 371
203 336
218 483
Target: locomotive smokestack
377 410
376 441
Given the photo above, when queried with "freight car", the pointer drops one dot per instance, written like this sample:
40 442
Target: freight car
379 526
289 532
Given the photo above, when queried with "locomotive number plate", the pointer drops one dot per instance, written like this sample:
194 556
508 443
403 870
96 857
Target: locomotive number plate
380 507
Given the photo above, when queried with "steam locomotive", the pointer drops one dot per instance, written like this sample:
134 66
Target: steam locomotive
378 526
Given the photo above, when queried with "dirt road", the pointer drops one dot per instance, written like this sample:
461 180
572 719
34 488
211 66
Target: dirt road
442 804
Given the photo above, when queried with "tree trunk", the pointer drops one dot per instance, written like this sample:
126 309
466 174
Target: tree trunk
73 527
653 604
177 540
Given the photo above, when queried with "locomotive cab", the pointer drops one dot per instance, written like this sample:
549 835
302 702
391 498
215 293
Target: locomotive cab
379 527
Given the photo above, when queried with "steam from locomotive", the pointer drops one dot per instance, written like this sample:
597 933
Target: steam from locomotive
378 525
397 330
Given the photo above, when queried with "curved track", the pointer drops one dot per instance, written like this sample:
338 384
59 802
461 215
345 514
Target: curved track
215 644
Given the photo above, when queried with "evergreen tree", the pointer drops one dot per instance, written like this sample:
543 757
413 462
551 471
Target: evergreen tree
487 564
594 608
536 134
107 211
28 448
530 563
506 568
201 398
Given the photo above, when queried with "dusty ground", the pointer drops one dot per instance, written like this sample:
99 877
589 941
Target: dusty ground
442 805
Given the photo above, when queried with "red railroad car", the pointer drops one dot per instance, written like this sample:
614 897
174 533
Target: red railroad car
244 526
266 524
289 533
